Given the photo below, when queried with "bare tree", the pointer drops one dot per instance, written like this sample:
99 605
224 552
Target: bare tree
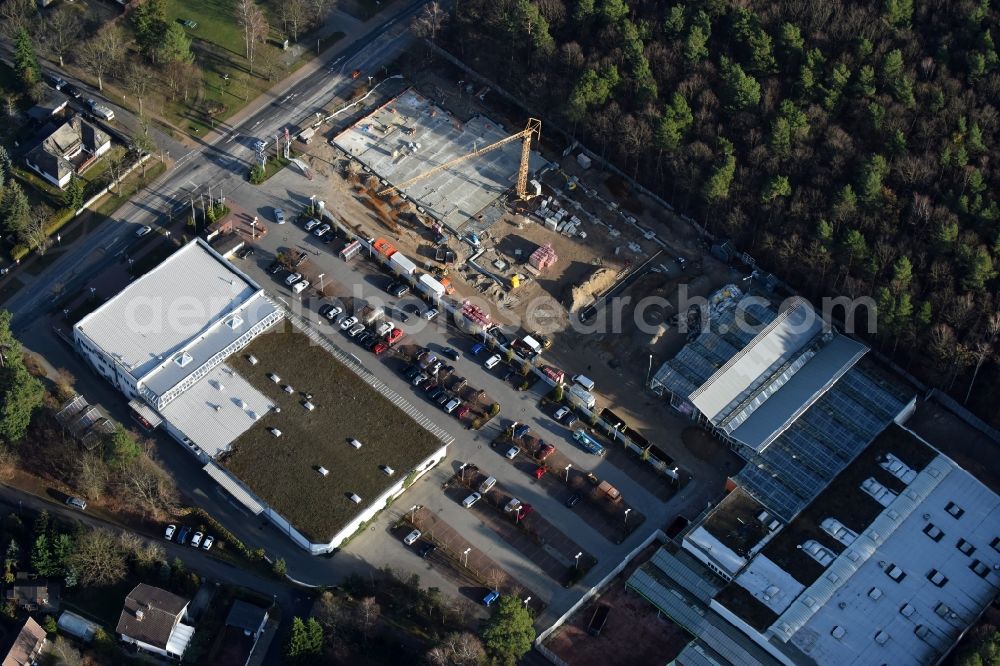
146 486
984 348
18 15
62 29
294 13
116 169
177 76
137 79
430 21
64 654
367 614
466 649
91 476
104 53
143 144
34 234
320 8
439 656
255 28
98 558
495 578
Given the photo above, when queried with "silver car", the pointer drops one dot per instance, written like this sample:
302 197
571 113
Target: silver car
321 231
279 216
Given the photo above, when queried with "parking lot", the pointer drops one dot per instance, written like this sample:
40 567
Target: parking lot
361 281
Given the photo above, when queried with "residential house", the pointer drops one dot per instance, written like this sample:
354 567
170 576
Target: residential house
73 147
34 594
28 645
244 626
52 103
151 620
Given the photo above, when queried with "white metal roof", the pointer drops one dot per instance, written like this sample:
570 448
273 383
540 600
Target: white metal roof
720 552
179 639
777 343
774 415
879 620
218 409
162 312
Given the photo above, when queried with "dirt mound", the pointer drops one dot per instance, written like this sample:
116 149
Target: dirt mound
583 294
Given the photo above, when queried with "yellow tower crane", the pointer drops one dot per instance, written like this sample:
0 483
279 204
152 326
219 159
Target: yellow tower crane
534 128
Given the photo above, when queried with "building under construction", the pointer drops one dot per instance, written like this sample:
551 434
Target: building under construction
409 136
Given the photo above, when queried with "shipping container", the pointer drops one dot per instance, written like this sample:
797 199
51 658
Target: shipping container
580 396
401 265
350 250
430 286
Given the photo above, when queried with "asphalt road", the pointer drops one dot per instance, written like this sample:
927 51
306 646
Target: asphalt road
219 165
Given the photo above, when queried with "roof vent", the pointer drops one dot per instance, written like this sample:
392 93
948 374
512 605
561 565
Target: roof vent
355 498
308 405
355 443
139 614
275 432
273 377
287 388
217 408
388 470
323 471
252 359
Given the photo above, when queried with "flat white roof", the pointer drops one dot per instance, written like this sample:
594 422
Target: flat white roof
855 613
162 312
769 584
218 409
719 551
780 340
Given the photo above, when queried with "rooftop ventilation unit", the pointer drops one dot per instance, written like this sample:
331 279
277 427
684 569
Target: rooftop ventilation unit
308 405
355 443
354 498
252 359
275 432
323 471
273 377
388 470
287 388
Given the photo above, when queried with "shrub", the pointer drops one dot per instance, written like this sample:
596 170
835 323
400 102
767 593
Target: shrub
257 174
494 409
558 393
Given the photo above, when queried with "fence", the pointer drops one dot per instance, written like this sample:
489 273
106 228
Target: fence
592 592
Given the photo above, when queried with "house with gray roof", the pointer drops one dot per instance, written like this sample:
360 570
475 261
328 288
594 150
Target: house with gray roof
151 620
71 148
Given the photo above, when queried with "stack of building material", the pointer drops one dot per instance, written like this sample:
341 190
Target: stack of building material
543 257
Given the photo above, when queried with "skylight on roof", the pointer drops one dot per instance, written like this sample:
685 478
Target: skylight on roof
183 359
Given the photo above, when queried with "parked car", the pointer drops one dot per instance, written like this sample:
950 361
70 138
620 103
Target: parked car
477 349
419 379
471 499
427 549
207 543
319 232
301 259
573 501
570 420
430 314
394 336
365 339
512 505
56 82
379 348
544 451
507 376
450 352
560 413
511 453
524 511
100 110
77 503
182 536
490 598
300 286
492 362
355 330
430 387
452 405
246 252
349 322
398 289
143 230
442 399
436 393
274 268
411 538
462 411
541 471
168 534
311 224
72 91
293 278
384 328
196 539
330 311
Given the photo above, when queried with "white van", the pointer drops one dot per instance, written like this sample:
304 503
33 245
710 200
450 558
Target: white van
584 381
299 287
492 361
487 485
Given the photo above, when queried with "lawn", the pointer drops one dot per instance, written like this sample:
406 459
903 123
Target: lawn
282 470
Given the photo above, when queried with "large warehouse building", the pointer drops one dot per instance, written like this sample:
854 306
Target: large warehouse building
167 342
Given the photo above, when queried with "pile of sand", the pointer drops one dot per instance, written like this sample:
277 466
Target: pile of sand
583 294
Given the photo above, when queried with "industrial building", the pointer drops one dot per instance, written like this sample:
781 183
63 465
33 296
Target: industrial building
169 343
890 564
789 394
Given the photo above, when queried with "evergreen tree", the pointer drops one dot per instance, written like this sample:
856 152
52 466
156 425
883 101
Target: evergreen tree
20 393
25 61
677 118
509 632
696 44
674 23
741 90
15 209
150 22
73 194
176 45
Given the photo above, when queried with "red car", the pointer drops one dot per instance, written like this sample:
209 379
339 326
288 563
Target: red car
393 336
461 411
356 73
379 348
523 511
544 451
541 471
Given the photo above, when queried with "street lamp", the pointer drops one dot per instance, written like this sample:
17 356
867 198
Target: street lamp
253 227
567 471
626 517
320 278
526 601
577 558
413 512
517 511
312 205
649 370
465 554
